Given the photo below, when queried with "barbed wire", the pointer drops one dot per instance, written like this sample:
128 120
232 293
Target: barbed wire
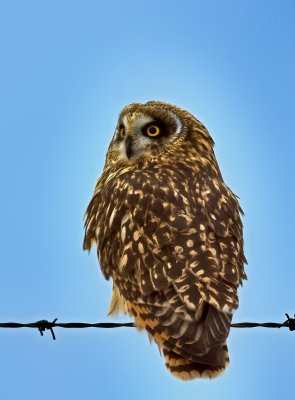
44 325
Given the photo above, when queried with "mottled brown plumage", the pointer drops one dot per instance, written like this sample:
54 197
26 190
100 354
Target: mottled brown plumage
168 232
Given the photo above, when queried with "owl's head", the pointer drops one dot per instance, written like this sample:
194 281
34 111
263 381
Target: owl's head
153 128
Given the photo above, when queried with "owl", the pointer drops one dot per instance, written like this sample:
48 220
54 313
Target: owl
168 232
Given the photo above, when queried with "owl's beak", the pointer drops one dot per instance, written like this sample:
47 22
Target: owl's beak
128 147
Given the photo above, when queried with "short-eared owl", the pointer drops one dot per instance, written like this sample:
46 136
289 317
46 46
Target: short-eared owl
168 232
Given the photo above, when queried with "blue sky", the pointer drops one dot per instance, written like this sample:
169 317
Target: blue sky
67 68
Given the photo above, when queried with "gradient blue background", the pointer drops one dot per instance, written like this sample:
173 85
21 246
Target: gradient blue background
66 70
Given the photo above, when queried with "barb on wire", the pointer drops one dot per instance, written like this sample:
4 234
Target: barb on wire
44 325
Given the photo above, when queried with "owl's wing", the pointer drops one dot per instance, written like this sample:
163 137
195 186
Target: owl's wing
175 251
189 262
189 238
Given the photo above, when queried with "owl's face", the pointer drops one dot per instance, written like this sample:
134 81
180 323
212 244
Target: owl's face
145 130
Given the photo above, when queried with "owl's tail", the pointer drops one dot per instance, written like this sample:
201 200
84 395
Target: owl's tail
185 369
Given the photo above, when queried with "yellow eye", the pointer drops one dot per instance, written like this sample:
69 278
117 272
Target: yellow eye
121 133
153 130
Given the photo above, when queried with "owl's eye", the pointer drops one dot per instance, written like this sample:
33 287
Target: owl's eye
121 133
152 130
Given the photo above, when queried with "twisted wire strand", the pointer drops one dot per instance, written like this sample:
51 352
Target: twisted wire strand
44 325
